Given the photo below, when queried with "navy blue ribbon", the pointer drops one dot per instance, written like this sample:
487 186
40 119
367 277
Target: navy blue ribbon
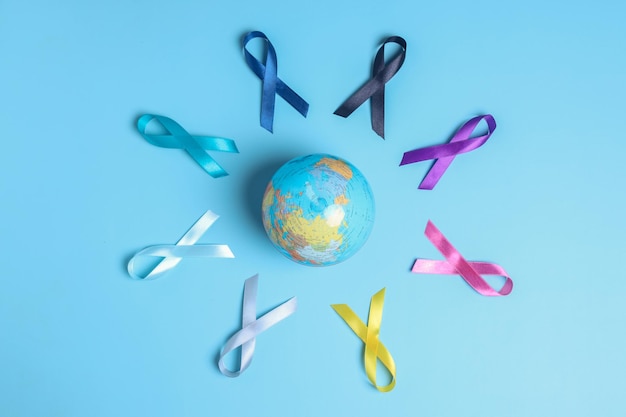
196 146
374 89
272 85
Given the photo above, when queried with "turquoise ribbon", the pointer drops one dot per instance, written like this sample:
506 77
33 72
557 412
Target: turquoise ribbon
195 146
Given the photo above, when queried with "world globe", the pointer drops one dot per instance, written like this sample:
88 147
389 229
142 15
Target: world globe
318 210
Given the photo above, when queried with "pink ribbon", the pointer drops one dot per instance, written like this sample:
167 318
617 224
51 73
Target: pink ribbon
444 154
456 264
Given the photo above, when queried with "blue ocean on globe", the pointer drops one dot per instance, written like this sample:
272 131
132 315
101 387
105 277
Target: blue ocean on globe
318 210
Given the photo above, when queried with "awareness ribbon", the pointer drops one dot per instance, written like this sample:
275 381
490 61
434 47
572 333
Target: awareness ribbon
251 327
195 146
374 89
461 142
374 349
185 248
456 264
272 85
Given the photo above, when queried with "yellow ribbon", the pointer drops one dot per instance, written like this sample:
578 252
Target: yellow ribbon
374 349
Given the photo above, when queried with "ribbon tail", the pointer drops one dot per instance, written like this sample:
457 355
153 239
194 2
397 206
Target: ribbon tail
292 98
377 103
435 173
358 98
268 103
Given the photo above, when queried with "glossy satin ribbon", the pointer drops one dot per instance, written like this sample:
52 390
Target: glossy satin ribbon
272 85
185 248
374 89
456 264
251 327
195 146
374 349
461 142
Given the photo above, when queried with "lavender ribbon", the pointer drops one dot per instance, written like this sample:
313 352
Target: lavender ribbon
444 154
272 85
374 89
251 327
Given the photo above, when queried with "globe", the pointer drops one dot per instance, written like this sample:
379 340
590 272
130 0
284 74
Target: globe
318 210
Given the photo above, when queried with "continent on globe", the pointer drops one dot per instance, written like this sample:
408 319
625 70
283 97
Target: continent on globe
318 210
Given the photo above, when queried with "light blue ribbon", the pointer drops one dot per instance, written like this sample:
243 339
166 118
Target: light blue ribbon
195 146
272 85
185 248
251 327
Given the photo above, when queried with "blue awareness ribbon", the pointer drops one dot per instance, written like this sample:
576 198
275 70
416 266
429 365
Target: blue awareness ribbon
195 146
272 85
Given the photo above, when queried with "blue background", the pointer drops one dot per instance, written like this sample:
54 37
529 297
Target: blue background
82 191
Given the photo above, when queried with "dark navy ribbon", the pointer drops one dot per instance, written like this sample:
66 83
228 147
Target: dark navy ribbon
272 85
461 142
375 87
195 146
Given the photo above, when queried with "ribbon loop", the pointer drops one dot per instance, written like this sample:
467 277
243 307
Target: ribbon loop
185 247
456 264
272 85
461 142
374 89
374 348
195 146
251 327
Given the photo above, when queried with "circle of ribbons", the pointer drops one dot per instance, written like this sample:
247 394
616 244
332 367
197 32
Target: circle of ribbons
272 85
374 89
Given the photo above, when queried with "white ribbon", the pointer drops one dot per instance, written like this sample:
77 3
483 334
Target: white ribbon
185 248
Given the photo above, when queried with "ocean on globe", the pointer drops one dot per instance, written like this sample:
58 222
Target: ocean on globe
318 210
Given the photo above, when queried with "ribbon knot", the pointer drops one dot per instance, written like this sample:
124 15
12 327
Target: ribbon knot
251 327
195 146
272 85
456 264
374 89
444 154
374 348
185 247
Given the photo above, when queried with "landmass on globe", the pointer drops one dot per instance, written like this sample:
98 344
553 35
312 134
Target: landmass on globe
318 210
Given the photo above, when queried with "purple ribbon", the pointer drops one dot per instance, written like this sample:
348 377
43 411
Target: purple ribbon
461 142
